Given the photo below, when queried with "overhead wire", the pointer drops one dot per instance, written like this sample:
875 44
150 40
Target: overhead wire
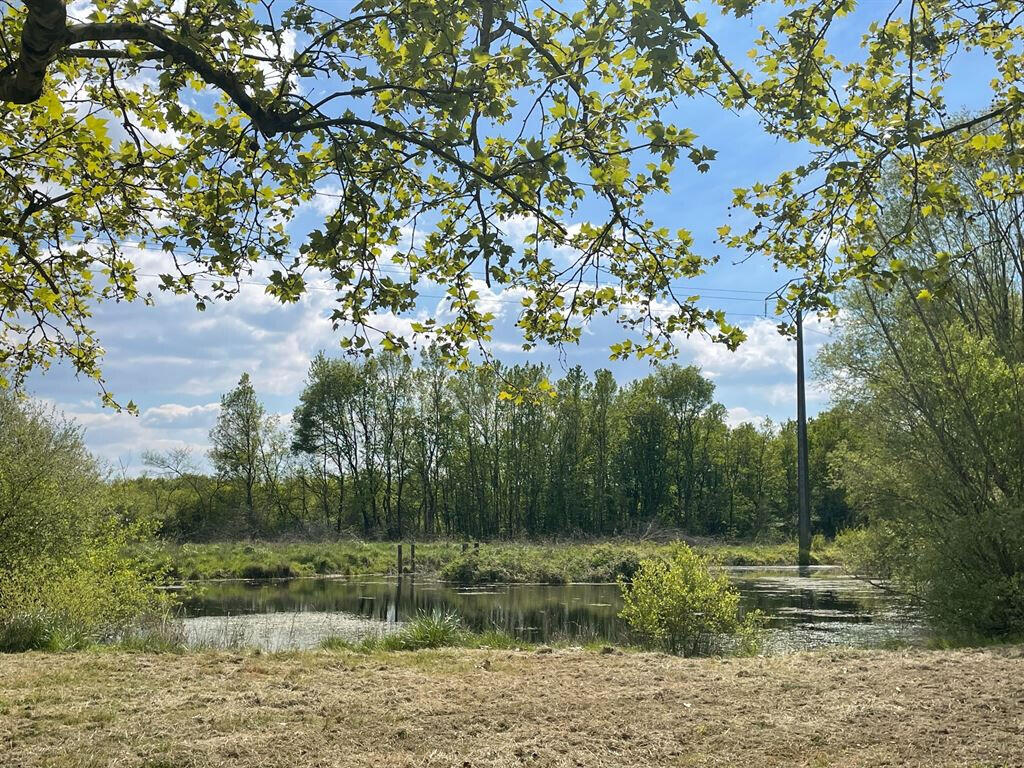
395 269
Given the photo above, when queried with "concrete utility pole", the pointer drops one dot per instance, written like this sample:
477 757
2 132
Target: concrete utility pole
803 492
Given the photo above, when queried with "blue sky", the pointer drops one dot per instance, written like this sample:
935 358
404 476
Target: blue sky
175 362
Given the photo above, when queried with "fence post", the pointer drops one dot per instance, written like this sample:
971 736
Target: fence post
465 546
399 559
412 557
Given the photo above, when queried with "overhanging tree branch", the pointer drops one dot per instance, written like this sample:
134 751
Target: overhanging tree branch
41 37
267 121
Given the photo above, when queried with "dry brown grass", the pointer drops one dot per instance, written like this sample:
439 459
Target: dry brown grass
490 708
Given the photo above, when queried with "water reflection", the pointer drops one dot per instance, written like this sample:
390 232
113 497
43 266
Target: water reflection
818 608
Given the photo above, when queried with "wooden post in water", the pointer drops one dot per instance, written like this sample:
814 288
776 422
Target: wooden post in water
412 557
399 559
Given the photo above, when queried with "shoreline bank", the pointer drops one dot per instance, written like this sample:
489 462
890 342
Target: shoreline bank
495 562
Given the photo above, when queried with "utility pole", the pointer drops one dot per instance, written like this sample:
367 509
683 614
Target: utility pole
803 491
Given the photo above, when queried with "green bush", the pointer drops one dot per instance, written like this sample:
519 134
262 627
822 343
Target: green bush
970 583
66 576
542 564
96 594
494 567
680 606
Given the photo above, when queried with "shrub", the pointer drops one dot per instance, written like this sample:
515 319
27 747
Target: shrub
157 634
66 578
95 594
465 569
680 606
608 563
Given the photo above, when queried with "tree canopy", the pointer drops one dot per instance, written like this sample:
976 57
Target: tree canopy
199 128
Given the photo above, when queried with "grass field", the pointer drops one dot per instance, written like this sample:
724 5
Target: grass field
493 562
505 708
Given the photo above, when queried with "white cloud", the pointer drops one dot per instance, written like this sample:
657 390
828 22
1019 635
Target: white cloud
740 414
175 413
784 394
498 303
119 438
283 53
508 347
325 200
765 349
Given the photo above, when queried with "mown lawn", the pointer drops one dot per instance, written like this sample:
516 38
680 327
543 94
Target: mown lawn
505 708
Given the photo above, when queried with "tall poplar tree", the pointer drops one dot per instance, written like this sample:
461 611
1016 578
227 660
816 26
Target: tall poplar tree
237 444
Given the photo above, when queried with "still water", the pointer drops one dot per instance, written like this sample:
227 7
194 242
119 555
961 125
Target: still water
810 608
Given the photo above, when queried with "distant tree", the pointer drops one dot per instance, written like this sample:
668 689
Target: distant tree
687 397
569 465
643 450
395 414
757 477
188 520
526 454
602 435
432 438
829 434
387 449
324 430
275 469
237 444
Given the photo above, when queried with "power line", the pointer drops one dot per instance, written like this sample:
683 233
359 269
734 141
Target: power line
395 269
327 289
497 299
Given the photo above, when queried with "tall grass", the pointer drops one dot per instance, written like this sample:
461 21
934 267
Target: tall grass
438 629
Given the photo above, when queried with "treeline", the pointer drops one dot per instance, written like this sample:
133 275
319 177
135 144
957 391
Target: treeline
382 448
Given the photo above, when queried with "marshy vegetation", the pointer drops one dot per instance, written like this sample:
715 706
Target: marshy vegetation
459 562
427 631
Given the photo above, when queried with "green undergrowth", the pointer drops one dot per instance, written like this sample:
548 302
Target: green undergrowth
497 562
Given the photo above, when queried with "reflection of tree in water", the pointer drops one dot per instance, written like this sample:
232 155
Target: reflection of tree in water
577 612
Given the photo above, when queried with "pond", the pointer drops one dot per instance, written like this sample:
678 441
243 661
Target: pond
806 608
